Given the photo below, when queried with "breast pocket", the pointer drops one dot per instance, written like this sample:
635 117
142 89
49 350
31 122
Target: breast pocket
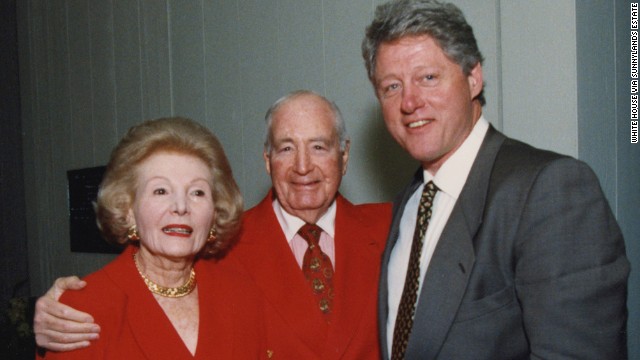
488 305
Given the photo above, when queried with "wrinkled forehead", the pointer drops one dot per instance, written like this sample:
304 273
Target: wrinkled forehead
310 104
305 116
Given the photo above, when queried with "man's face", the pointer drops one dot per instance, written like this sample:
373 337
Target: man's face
426 99
305 162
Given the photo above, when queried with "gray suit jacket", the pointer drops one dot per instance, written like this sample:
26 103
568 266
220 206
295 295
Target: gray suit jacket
531 264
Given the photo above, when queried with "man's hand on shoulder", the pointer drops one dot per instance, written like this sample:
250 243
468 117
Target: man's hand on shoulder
59 327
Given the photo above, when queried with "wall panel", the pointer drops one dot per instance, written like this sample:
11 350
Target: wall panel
127 50
626 162
224 98
258 36
539 73
80 83
103 86
156 59
187 58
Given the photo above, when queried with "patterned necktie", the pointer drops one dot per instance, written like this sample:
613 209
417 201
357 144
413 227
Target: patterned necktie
407 307
317 268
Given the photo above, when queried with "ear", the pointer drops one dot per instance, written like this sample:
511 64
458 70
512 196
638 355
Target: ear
267 164
131 219
213 217
476 80
345 156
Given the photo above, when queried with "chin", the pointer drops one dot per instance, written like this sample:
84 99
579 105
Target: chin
181 252
307 201
308 206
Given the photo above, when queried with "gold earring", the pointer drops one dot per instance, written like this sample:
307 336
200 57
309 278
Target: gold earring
132 233
212 235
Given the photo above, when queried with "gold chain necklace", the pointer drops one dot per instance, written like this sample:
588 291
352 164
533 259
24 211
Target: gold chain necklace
170 292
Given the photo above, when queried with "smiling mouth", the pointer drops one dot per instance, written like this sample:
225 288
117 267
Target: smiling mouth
418 123
305 182
177 230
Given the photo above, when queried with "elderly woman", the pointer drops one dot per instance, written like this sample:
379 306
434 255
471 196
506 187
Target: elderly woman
168 193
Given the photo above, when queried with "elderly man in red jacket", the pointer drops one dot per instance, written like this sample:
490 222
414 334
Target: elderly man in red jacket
331 317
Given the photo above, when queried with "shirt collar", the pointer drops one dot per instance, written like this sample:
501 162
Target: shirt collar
291 224
453 174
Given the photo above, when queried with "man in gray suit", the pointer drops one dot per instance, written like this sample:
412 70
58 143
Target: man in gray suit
517 254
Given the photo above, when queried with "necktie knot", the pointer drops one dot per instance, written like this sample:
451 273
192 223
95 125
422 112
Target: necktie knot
311 234
424 208
428 193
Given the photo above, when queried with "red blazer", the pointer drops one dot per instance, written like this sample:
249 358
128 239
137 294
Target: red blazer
134 326
296 328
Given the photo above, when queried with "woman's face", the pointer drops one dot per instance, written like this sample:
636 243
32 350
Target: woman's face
173 207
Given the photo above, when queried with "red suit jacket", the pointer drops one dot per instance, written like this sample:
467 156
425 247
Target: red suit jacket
134 325
296 328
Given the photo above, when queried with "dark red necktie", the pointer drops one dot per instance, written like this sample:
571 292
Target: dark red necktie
317 268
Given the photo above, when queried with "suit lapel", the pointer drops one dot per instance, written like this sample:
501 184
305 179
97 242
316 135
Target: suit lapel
267 256
453 260
357 258
216 313
145 317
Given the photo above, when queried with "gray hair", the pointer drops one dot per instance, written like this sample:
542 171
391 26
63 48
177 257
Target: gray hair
444 22
339 124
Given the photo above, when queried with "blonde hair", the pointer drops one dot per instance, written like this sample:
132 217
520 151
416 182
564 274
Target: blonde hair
179 135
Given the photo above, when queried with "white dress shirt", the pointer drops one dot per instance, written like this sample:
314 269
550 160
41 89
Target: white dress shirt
450 180
291 224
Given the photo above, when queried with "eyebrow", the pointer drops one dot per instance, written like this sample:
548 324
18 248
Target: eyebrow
322 138
164 178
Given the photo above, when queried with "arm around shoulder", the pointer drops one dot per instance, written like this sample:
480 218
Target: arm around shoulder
60 327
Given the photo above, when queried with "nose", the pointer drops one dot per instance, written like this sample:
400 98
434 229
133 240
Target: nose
302 162
180 204
411 99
